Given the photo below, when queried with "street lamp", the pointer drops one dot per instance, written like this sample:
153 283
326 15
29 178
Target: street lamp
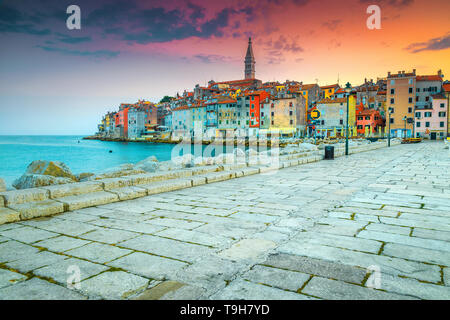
389 129
348 89
405 119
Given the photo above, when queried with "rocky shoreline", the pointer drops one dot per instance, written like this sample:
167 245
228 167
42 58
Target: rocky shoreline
42 173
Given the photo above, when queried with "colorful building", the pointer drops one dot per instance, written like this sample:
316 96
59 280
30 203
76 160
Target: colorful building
446 91
431 119
400 100
369 121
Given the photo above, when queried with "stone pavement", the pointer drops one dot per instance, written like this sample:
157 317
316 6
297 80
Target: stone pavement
373 225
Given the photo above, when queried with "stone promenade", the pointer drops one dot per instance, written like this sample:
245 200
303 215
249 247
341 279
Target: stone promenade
372 225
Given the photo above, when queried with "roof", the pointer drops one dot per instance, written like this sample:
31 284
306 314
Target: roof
308 86
438 96
367 112
329 101
330 86
434 77
181 108
446 87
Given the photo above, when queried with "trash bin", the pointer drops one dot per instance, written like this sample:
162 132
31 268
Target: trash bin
329 152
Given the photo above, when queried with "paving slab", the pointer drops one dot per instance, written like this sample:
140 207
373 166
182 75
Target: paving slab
37 289
114 285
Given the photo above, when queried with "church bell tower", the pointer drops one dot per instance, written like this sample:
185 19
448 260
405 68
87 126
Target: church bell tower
249 62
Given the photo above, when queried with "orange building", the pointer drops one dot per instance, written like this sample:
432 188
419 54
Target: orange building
371 119
400 99
255 99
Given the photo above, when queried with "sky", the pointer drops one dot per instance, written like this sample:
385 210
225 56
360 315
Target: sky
59 81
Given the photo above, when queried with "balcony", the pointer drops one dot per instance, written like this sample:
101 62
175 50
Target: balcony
421 105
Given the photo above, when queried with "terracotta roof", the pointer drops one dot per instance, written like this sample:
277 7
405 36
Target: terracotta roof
381 93
308 86
429 78
438 96
446 87
181 108
367 112
330 86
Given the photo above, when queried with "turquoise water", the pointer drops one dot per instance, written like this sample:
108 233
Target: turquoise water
17 152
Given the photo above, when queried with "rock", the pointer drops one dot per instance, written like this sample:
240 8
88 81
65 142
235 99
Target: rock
2 185
185 161
115 172
84 176
168 166
307 147
27 181
150 164
50 168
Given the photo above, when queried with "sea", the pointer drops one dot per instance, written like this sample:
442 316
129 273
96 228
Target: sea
17 152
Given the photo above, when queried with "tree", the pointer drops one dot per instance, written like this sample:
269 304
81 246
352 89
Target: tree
166 99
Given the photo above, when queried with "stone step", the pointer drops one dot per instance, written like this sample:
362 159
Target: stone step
8 215
81 201
36 209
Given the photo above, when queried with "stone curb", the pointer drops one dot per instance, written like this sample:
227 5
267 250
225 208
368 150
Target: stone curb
26 204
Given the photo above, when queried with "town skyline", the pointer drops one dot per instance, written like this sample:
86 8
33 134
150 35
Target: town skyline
64 80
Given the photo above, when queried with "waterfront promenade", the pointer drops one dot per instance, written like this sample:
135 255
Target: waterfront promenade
372 225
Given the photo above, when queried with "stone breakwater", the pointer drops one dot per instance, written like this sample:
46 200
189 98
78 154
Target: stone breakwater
31 203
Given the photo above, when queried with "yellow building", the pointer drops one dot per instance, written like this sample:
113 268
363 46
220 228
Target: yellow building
327 92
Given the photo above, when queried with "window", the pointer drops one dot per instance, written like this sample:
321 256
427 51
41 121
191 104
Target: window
441 124
360 126
427 98
392 82
410 90
410 101
427 124
262 122
418 124
341 121
442 105
272 122
417 98
427 115
417 114
367 117
417 89
410 109
290 113
392 91
392 101
410 81
392 120
323 122
360 118
262 114
442 114
272 113
291 122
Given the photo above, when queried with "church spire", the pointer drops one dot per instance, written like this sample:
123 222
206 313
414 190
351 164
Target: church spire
249 61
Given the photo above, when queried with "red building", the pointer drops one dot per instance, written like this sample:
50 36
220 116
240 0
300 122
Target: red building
121 120
256 98
369 118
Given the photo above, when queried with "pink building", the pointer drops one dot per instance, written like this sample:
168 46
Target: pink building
431 120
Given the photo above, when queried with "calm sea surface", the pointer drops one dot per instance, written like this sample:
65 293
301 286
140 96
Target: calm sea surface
17 152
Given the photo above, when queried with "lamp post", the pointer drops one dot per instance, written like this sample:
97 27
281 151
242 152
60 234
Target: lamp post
348 89
405 119
389 127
